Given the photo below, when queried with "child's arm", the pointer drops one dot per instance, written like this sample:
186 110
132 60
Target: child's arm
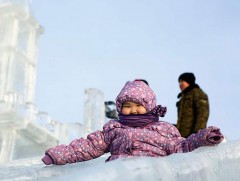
205 137
78 150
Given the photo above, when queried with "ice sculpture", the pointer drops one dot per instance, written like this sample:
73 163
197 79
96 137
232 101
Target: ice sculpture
25 131
20 136
94 109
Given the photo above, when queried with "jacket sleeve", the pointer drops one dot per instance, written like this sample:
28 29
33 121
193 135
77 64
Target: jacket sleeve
186 115
201 106
206 137
79 149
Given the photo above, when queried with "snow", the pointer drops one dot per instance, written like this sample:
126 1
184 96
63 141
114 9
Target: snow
206 163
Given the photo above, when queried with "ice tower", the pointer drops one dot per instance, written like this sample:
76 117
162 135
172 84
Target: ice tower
19 33
18 37
94 109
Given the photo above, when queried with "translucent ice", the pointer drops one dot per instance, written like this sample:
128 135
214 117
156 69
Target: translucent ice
94 109
216 163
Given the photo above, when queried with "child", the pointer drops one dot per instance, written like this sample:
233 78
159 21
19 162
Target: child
138 132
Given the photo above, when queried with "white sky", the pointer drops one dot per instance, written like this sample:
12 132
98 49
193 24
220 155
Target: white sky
104 43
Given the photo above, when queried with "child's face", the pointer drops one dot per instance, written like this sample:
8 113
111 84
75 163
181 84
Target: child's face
133 108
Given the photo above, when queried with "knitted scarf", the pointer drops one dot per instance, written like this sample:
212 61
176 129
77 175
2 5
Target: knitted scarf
139 120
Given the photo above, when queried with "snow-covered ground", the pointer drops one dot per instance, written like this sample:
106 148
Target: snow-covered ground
215 163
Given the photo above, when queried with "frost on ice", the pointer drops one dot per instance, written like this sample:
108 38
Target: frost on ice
22 126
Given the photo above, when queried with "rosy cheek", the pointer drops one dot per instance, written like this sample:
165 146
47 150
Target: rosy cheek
125 111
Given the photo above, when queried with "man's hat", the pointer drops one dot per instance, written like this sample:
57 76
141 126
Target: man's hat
188 77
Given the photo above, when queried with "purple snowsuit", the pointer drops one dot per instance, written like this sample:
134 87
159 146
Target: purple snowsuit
153 139
158 139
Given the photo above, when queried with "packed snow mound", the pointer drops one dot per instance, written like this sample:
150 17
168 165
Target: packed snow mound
215 163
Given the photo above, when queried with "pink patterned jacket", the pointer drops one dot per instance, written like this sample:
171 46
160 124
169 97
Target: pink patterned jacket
154 140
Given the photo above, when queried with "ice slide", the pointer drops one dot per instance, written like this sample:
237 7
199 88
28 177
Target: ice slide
217 163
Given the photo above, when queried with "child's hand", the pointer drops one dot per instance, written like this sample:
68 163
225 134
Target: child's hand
47 160
214 136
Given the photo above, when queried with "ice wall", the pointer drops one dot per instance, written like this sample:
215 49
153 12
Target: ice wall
216 163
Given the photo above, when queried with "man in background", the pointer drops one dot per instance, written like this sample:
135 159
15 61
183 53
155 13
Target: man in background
192 107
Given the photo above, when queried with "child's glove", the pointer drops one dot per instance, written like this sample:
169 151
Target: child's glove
47 160
213 135
205 137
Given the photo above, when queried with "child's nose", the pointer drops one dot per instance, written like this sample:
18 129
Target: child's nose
133 111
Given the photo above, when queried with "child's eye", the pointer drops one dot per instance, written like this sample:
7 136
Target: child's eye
126 106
